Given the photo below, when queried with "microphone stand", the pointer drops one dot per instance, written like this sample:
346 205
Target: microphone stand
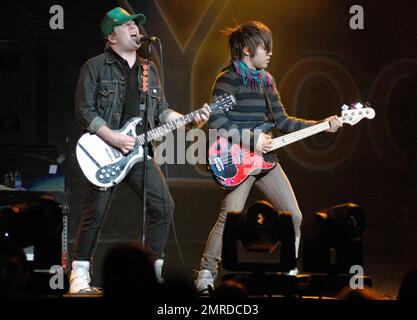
145 149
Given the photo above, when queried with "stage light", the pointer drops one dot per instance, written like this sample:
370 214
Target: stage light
259 246
333 239
259 239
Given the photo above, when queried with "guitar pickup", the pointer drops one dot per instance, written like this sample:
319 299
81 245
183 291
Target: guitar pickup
115 153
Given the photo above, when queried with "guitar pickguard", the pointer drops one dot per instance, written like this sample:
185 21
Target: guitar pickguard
110 173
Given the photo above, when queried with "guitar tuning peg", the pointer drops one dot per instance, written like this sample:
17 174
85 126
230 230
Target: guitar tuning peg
358 105
344 107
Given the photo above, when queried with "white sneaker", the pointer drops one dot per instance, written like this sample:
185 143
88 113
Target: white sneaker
293 272
204 283
158 270
80 278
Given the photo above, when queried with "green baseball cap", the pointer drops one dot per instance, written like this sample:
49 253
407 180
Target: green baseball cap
117 17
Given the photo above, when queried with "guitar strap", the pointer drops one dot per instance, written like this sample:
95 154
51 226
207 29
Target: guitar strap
143 88
269 104
143 85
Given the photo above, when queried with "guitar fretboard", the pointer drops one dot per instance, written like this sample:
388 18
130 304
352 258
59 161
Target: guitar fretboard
299 135
159 132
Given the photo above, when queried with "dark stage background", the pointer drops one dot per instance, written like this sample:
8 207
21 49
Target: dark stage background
319 63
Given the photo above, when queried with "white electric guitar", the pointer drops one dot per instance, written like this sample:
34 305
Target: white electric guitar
105 166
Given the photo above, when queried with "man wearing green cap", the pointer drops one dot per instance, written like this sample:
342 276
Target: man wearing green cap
111 89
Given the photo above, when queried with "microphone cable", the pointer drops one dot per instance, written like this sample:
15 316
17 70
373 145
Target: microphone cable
174 232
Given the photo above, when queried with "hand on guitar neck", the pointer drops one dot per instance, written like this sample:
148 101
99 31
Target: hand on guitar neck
201 117
334 123
264 143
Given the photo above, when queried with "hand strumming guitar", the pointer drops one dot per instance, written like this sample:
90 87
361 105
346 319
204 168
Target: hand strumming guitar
120 141
264 143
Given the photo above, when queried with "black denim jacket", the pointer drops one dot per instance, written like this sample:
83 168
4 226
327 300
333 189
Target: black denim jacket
101 91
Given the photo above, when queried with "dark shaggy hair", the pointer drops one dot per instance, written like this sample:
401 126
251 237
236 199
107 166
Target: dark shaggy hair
251 35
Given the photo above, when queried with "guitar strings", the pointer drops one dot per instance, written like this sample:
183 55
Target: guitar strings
168 127
292 137
155 133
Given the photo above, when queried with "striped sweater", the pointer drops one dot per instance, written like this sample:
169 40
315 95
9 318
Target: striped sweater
251 108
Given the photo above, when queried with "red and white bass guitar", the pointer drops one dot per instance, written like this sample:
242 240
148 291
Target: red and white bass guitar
231 164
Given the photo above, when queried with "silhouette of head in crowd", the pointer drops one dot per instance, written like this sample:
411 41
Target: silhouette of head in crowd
408 288
178 289
230 290
128 272
14 271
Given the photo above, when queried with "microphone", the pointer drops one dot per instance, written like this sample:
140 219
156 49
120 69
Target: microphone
146 39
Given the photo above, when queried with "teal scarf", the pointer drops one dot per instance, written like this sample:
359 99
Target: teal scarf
253 78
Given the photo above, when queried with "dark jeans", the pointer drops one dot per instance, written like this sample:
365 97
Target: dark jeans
160 207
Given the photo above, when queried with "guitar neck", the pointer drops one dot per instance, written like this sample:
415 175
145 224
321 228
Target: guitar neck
156 133
300 134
